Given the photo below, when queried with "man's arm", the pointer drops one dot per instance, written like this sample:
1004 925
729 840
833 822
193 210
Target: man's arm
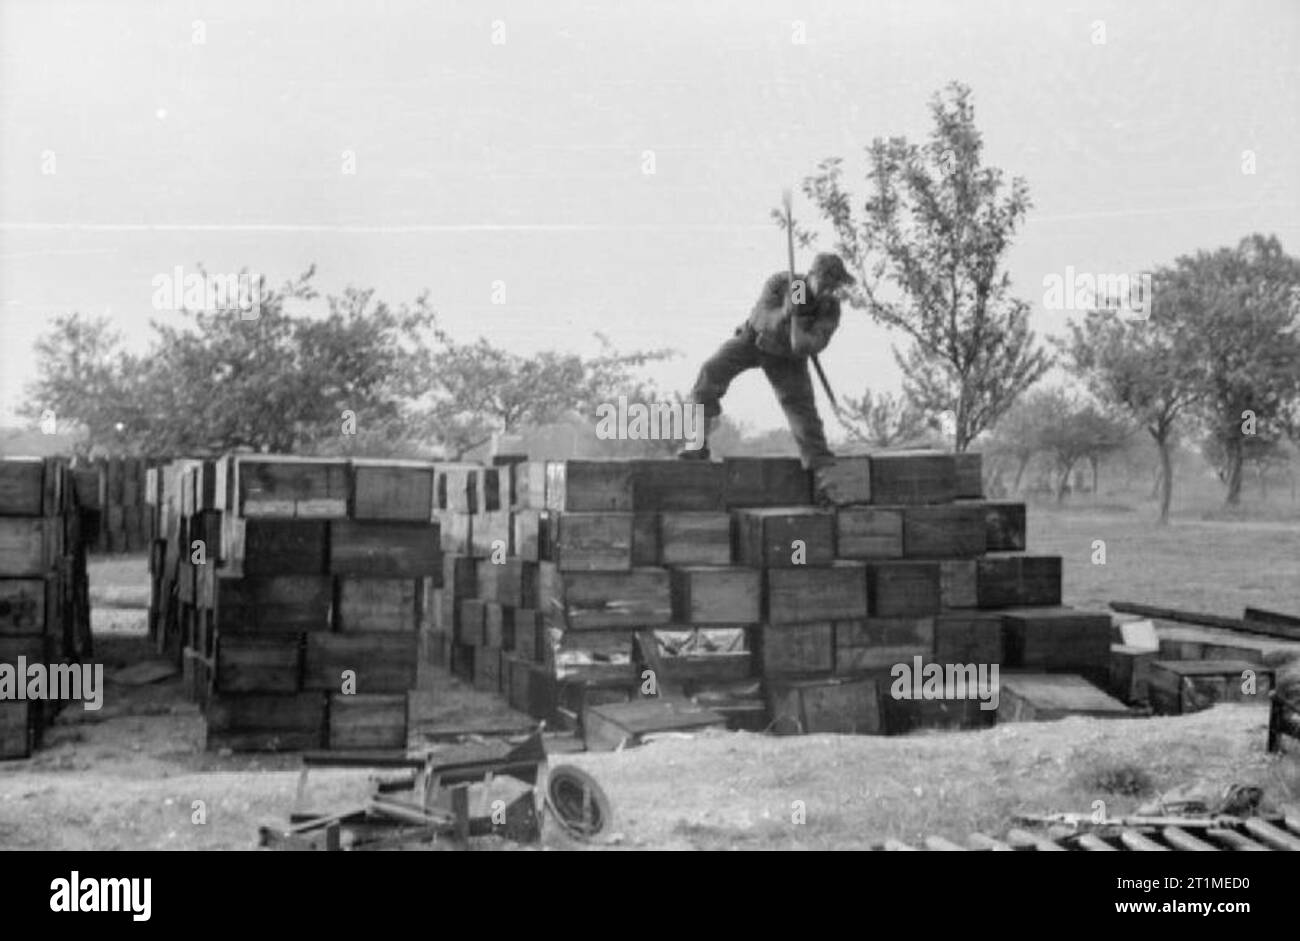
813 325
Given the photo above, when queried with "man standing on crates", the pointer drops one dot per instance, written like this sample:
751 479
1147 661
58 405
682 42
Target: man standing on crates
792 322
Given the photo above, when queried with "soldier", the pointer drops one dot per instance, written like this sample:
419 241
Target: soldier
779 336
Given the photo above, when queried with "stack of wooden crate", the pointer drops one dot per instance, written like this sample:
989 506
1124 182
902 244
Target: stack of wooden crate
564 582
112 492
295 591
44 606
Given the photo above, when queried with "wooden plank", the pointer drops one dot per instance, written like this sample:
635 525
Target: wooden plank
367 721
1134 840
492 534
287 487
1130 671
969 475
471 622
28 545
279 604
958 581
716 595
677 486
1267 628
590 542
694 539
1023 839
266 721
940 845
377 604
532 536
1271 836
1042 697
903 588
784 537
765 481
1180 839
844 481
842 705
1235 841
1265 616
1094 843
387 490
981 841
863 532
458 487
529 643
807 593
390 549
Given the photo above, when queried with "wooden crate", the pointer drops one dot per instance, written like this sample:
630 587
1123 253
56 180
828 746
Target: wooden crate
1004 525
387 490
969 475
285 547
391 549
383 663
265 721
492 534
901 716
24 607
1042 697
456 531
765 481
1130 672
22 488
1014 580
958 583
645 539
674 485
529 479
494 627
487 669
694 539
796 649
531 532
875 644
375 720
845 481
517 583
1177 687
17 728
266 663
913 478
288 487
590 542
529 642
460 575
610 726
968 637
845 706
279 604
942 532
903 589
590 486
377 604
1058 640
716 595
863 532
29 545
489 580
769 537
580 601
806 593
471 622
459 488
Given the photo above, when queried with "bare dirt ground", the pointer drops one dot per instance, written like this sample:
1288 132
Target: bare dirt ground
128 776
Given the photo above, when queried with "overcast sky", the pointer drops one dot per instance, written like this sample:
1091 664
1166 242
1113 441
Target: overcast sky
523 161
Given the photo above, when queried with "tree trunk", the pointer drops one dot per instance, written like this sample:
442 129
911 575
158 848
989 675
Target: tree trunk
1096 465
1235 461
1020 472
1064 483
1166 478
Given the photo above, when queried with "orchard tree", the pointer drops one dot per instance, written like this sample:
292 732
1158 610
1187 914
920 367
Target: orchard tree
935 228
882 421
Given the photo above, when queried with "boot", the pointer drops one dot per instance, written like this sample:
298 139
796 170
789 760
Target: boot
702 452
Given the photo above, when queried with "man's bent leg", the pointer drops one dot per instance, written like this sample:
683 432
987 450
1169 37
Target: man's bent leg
731 359
794 390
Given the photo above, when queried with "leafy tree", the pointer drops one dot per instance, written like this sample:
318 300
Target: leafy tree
882 421
1242 310
936 228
